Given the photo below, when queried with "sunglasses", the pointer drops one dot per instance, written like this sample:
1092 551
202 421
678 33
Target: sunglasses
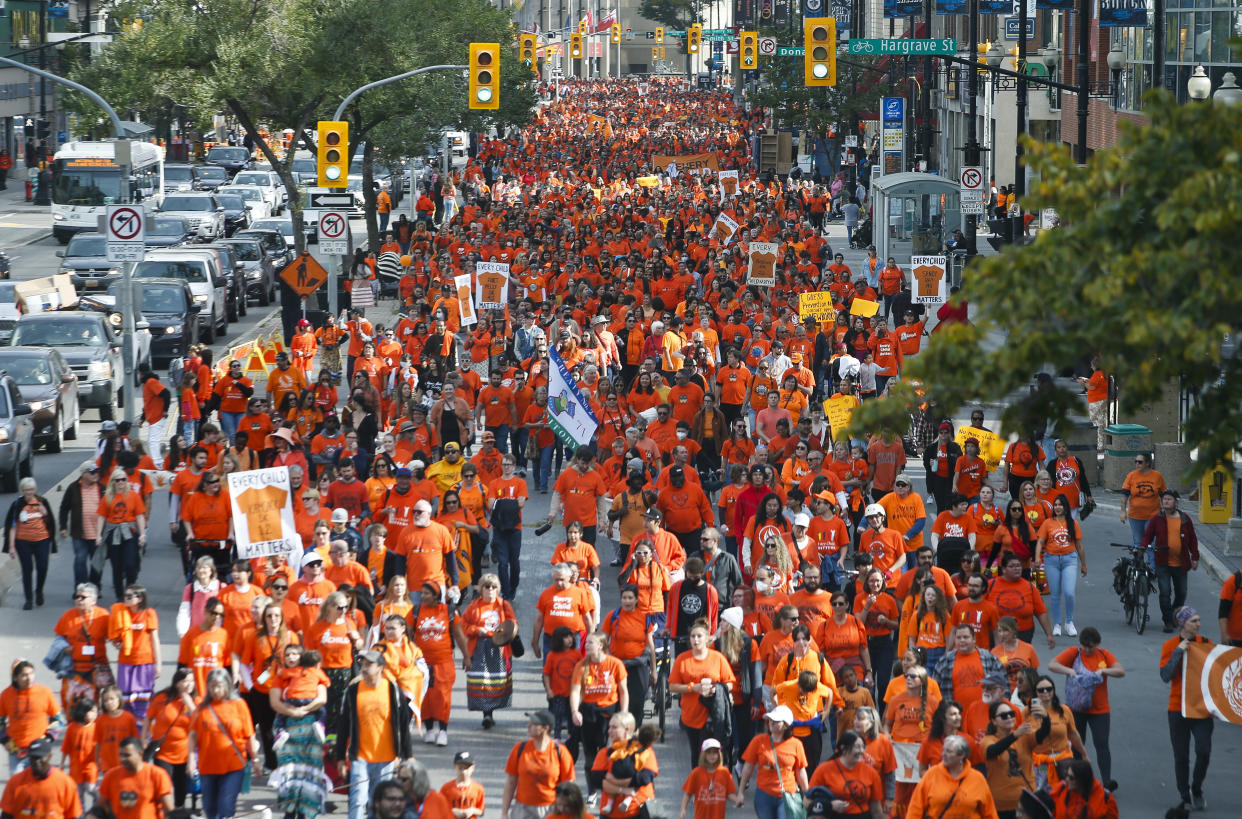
840 604
1005 715
912 677
1045 689
281 587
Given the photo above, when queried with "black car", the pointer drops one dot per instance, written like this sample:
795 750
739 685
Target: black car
86 262
236 214
231 158
166 231
235 280
210 177
260 268
167 306
273 242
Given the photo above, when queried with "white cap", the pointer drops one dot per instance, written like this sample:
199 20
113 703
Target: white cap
340 516
874 509
732 616
780 713
311 557
801 519
708 744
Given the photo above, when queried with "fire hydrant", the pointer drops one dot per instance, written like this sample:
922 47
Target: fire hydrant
29 191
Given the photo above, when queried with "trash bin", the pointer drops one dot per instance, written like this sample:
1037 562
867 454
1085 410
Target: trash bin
1121 443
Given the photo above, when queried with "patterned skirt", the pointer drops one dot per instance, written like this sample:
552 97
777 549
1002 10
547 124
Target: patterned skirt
299 781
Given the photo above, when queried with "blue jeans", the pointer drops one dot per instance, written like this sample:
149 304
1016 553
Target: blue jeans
502 437
189 431
768 806
363 777
1062 571
1137 527
82 551
220 793
518 437
228 423
1172 583
545 466
507 552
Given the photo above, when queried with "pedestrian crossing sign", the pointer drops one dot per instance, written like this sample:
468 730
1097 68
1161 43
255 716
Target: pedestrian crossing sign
304 275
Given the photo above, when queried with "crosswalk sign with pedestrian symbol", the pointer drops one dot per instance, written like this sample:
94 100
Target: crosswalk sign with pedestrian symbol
304 275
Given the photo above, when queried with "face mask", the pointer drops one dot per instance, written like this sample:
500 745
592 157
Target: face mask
682 434
762 587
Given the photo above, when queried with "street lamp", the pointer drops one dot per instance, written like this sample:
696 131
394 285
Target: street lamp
995 55
1116 61
1199 85
1229 93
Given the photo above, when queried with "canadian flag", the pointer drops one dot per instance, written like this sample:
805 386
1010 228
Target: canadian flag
605 22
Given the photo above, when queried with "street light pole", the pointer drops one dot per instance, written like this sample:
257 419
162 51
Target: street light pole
1019 170
972 154
1083 29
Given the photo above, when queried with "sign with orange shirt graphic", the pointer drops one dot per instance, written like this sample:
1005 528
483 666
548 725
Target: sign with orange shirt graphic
931 285
466 300
263 513
728 185
492 292
724 229
762 268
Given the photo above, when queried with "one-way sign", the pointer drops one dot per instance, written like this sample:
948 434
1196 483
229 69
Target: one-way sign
331 200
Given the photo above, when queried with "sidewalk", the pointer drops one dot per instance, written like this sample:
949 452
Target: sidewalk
21 222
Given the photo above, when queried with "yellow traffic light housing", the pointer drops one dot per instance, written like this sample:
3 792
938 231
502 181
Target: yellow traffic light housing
333 154
659 35
694 37
527 50
819 61
748 49
575 46
615 34
655 52
484 76
582 27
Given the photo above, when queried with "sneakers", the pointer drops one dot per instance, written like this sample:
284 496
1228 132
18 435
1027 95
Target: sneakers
429 735
442 738
1199 802
1056 630
593 801
281 738
319 734
1070 629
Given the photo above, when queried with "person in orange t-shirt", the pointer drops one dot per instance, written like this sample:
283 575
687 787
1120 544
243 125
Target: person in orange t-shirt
138 658
464 795
576 494
709 785
537 766
135 789
695 675
856 786
205 647
222 741
168 721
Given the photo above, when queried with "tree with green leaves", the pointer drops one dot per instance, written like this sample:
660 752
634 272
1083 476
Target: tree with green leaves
1141 271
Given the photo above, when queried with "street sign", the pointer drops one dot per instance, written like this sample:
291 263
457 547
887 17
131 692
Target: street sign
969 208
812 7
304 275
334 233
790 51
850 141
939 45
125 228
767 46
1011 28
331 200
971 184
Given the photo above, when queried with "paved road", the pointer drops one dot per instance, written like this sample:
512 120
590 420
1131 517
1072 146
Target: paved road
1142 759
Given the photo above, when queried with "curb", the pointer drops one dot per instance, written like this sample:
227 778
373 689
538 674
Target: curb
10 569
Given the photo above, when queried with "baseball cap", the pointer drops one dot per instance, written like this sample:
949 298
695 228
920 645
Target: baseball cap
39 749
416 464
489 436
945 426
653 514
311 557
108 426
800 519
372 656
709 744
996 679
796 358
542 717
463 758
780 713
903 478
92 468
403 472
340 516
452 446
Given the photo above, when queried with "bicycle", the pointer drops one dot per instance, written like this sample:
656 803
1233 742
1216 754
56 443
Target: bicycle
661 697
1134 580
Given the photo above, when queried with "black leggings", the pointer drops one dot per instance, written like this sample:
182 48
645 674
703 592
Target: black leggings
177 773
1097 725
264 718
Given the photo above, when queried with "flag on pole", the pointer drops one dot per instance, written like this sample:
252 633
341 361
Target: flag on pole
1212 682
569 414
605 22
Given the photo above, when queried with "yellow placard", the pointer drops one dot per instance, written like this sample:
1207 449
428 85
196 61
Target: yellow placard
864 308
838 412
991 445
817 305
648 181
1216 490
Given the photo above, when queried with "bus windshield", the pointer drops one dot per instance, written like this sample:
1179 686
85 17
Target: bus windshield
85 186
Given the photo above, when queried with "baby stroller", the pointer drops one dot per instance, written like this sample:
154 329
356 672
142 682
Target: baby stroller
862 235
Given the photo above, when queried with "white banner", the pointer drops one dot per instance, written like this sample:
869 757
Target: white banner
465 297
569 414
728 185
762 268
931 283
725 229
263 513
492 292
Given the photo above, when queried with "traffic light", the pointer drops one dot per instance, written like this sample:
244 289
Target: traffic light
819 61
659 35
333 170
582 27
694 37
527 50
549 53
655 52
615 34
749 49
575 46
484 76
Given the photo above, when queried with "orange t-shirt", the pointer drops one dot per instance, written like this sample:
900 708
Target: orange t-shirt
204 651
376 742
710 791
601 682
859 786
689 671
463 795
136 795
789 755
262 510
567 607
909 723
28 712
539 772
300 683
124 508
580 492
426 548
170 720
78 746
1056 536
333 643
222 742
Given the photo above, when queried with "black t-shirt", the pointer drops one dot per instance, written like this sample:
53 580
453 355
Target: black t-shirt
691 606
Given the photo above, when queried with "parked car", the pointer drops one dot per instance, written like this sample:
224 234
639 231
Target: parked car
269 181
201 210
16 436
92 348
259 266
48 384
10 310
210 177
201 269
86 262
230 158
273 242
236 214
166 231
179 178
256 199
235 280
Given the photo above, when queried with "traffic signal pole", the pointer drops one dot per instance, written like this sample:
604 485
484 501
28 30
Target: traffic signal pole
972 154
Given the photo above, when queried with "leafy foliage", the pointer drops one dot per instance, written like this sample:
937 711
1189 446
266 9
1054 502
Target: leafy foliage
1141 271
674 14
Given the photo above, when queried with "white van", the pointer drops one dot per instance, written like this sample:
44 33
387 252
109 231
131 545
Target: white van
456 146
201 269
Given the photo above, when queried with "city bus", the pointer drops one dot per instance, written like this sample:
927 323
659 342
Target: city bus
86 178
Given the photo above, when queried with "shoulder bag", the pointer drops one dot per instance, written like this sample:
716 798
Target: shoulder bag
245 786
794 809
